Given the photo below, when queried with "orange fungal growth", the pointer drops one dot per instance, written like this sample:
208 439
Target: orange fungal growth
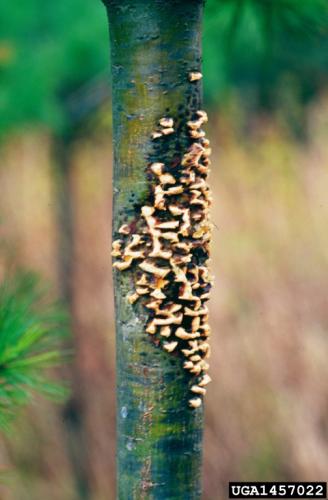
168 253
194 76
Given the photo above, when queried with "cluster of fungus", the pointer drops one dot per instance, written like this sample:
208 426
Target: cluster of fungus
169 254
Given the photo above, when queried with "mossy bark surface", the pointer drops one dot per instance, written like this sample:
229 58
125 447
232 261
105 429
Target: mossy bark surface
154 46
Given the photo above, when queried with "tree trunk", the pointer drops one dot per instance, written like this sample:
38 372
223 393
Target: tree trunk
154 47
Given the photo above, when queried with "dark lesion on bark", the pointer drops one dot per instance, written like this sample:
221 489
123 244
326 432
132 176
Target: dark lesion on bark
167 247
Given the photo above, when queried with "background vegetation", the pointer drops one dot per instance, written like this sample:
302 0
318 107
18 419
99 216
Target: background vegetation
265 80
31 330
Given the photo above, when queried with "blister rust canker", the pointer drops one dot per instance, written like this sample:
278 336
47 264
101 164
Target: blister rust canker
171 281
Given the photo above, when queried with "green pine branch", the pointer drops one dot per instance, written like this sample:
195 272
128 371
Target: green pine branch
293 17
32 331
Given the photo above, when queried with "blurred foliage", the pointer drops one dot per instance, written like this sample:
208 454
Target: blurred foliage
31 333
49 51
265 48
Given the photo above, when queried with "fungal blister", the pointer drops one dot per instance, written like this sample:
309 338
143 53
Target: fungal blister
166 127
195 402
156 135
194 76
170 253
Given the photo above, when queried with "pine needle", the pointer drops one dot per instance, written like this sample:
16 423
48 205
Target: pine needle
32 331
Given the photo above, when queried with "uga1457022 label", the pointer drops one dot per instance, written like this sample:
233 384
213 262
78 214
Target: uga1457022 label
278 490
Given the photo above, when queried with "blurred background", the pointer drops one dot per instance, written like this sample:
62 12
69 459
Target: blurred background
266 90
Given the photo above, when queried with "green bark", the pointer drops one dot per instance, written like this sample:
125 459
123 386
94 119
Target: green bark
154 46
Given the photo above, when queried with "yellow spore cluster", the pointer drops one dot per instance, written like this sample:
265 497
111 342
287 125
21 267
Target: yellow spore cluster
170 251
